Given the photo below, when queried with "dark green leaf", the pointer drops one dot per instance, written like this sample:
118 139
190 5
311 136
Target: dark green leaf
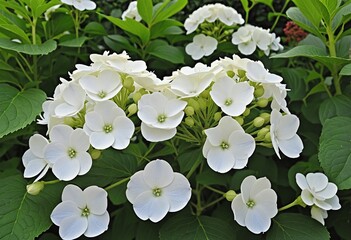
311 10
76 42
147 231
209 177
346 70
335 106
95 28
297 16
338 18
343 46
18 108
168 52
145 10
189 159
168 9
118 43
117 195
31 49
14 32
266 2
294 79
335 151
314 41
165 27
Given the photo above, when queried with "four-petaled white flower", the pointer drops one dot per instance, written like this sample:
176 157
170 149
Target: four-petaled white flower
107 125
255 205
201 46
81 212
232 97
227 146
283 134
160 115
157 190
103 87
34 160
67 152
316 190
81 5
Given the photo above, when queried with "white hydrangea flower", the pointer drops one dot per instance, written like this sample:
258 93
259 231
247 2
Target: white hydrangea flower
107 125
67 152
34 160
227 146
131 12
102 87
48 117
316 190
81 212
283 134
160 115
195 19
278 92
201 46
243 38
262 38
232 97
190 82
235 64
319 214
81 5
255 205
157 190
256 72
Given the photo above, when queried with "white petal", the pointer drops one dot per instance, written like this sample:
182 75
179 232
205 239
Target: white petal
136 186
64 110
266 202
256 71
73 227
148 115
174 106
170 122
287 127
123 131
322 204
242 145
307 197
55 151
220 160
29 156
74 194
178 192
94 121
247 48
155 134
291 147
260 184
147 206
301 181
60 133
96 199
79 140
34 167
256 221
327 192
85 162
64 210
158 174
37 143
334 202
108 110
317 181
101 140
239 209
97 224
246 186
66 169
317 214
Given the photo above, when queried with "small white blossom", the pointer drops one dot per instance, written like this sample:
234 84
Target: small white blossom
81 5
157 190
160 115
107 125
81 212
34 160
243 38
283 134
255 205
316 190
201 46
131 12
67 152
232 97
256 72
278 92
227 146
319 214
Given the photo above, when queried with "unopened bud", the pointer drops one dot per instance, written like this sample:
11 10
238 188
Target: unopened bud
95 153
267 138
189 111
262 102
240 120
128 82
246 112
266 117
202 103
217 116
259 91
193 103
258 122
132 109
262 133
230 74
35 188
136 96
131 89
205 93
189 121
230 195
241 73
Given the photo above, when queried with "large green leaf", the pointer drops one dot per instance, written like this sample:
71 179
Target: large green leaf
293 226
76 42
311 10
340 14
31 49
297 16
294 78
145 10
336 106
18 108
346 70
24 216
335 151
167 9
188 227
167 52
190 159
15 32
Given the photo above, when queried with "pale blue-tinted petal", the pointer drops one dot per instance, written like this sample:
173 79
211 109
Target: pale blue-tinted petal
74 194
60 133
96 199
291 147
64 210
307 197
220 160
301 181
101 140
256 221
148 114
328 192
85 162
155 134
136 186
94 122
66 169
158 174
37 143
287 127
239 209
34 167
73 227
97 224
260 185
55 151
317 181
178 192
246 187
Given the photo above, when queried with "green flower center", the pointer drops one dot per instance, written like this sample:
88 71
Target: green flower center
224 145
108 128
228 102
102 94
72 153
85 212
161 118
157 192
250 204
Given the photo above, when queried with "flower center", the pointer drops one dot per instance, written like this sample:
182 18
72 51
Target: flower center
228 102
224 145
108 128
250 204
157 192
85 212
161 118
102 94
72 153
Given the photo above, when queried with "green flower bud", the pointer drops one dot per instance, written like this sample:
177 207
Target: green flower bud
266 117
241 73
142 91
136 96
259 91
230 73
128 82
193 103
240 120
230 195
262 133
258 122
202 103
267 138
246 112
94 153
132 109
262 102
217 116
35 188
131 88
205 93
189 111
189 121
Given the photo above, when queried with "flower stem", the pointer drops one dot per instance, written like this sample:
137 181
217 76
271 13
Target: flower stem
297 201
117 183
215 190
51 182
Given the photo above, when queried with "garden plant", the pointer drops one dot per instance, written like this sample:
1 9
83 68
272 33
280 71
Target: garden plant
175 119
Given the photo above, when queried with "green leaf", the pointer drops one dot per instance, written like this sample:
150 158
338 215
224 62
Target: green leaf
31 49
165 27
117 195
335 106
245 4
168 9
189 159
40 6
340 14
24 216
335 151
188 227
167 52
18 108
343 46
346 70
266 2
209 177
314 41
15 32
132 26
311 10
76 42
145 10
118 43
294 226
95 28
294 79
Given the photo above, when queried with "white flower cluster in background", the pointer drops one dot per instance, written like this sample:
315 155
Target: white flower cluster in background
131 12
81 5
